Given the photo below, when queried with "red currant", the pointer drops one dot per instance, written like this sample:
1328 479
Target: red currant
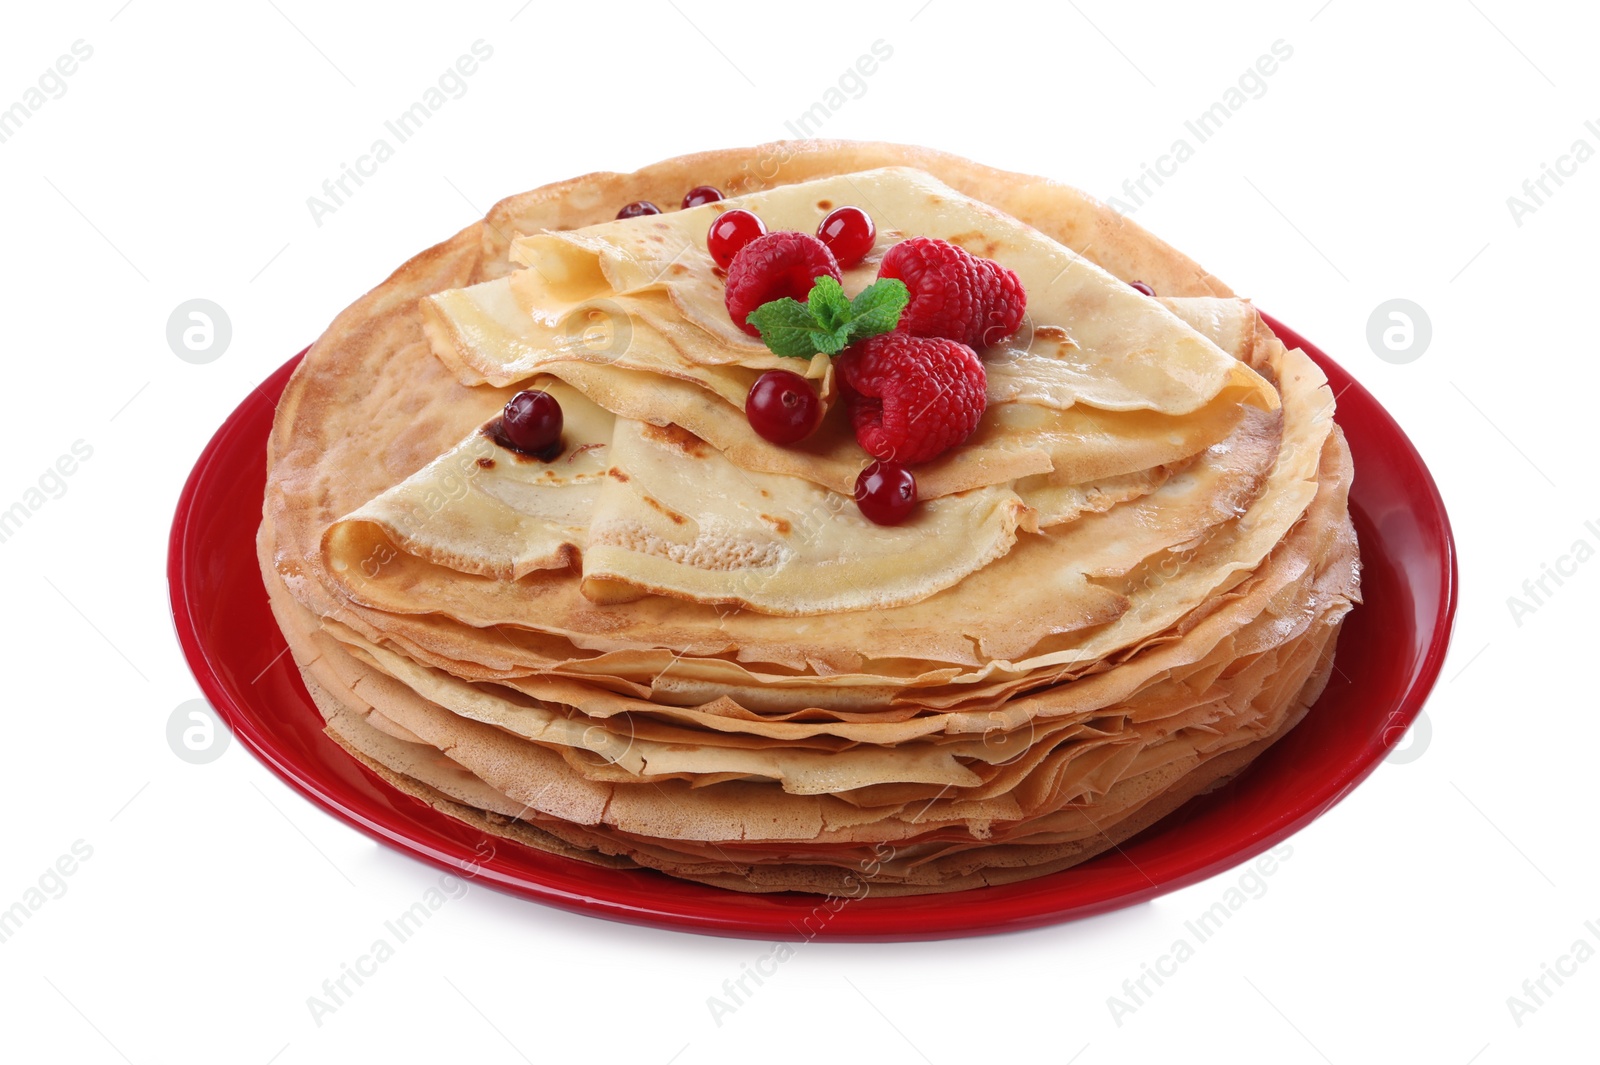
701 194
848 232
731 231
1140 286
531 423
886 492
638 208
782 407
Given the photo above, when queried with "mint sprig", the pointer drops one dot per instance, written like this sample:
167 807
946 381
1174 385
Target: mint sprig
829 321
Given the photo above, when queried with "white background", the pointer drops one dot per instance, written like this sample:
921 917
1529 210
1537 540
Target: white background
1376 165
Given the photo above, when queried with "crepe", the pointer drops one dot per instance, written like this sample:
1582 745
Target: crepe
679 647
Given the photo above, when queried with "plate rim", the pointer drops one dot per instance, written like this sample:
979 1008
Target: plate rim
721 911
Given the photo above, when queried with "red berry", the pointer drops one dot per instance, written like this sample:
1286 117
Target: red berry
701 194
1140 286
954 294
849 233
782 407
731 231
768 268
638 208
531 423
886 492
912 398
1004 302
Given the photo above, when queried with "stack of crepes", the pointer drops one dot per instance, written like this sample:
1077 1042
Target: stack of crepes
680 647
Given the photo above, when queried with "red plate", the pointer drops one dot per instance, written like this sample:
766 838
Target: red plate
1388 659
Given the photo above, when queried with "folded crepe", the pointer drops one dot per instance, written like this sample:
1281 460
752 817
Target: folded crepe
681 647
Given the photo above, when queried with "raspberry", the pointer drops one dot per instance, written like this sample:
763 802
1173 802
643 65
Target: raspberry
912 398
955 294
1004 302
785 263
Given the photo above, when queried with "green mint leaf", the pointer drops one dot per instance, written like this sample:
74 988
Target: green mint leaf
834 342
828 320
829 304
788 327
877 308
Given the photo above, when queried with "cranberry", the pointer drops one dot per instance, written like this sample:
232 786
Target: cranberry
782 407
638 208
701 194
731 231
531 424
886 492
848 232
1140 286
